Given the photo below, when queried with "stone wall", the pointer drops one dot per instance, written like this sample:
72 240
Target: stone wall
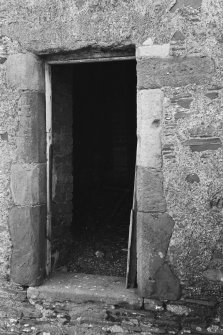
9 116
56 25
192 151
179 195
27 214
9 122
184 75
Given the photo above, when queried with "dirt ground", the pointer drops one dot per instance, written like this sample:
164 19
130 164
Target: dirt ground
99 242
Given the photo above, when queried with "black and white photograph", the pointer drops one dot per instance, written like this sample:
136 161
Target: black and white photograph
111 167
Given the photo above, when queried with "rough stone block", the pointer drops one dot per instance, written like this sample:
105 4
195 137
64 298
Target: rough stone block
3 52
197 144
213 275
150 104
28 235
178 36
181 115
212 95
185 103
153 51
29 150
153 305
4 136
25 72
204 131
31 135
28 184
176 71
150 194
196 4
167 286
31 111
153 235
192 178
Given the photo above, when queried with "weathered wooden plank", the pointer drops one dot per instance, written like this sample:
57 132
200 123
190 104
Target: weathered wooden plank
49 163
131 273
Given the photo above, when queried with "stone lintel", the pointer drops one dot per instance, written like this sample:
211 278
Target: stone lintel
174 72
28 235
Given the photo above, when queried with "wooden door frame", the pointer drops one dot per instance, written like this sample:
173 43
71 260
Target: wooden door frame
60 60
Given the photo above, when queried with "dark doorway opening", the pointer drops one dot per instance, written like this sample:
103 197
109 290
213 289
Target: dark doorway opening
94 139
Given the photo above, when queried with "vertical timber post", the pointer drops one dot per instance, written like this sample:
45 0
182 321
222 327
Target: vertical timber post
49 164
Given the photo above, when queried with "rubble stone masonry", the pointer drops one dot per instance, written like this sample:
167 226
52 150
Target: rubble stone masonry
180 130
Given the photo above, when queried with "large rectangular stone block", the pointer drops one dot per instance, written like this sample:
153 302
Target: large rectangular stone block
203 144
153 51
29 150
150 193
155 73
28 235
186 3
149 114
25 72
31 135
31 111
28 184
153 235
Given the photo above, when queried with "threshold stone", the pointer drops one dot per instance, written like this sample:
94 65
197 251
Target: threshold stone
84 288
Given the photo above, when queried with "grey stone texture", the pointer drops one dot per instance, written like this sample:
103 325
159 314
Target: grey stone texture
150 194
178 36
46 315
82 288
192 178
187 181
153 51
31 134
179 4
27 219
154 231
9 124
149 116
28 232
28 184
42 27
26 72
212 95
48 27
198 144
167 285
185 102
156 73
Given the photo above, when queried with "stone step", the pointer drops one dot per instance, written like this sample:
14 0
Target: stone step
83 288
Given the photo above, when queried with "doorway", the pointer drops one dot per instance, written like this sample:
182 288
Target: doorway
94 152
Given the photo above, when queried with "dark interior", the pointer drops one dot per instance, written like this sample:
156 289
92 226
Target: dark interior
104 153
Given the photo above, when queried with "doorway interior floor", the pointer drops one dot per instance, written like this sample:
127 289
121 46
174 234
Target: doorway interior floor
103 248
